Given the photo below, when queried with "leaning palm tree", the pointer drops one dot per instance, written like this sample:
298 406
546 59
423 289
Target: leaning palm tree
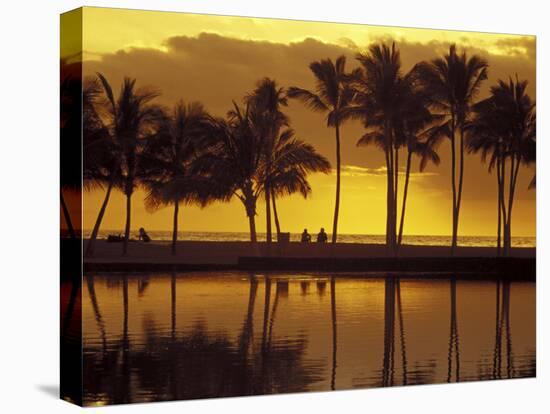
169 162
504 127
131 119
291 160
332 95
101 157
453 82
265 104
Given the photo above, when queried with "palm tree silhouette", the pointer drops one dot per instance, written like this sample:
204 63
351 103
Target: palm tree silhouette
415 117
169 162
234 161
332 96
452 83
264 105
291 162
132 119
101 162
395 113
70 132
244 163
381 92
504 128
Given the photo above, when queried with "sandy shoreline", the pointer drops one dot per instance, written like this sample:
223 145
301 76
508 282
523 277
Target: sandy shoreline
228 253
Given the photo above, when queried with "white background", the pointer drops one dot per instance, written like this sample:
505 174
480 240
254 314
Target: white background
29 204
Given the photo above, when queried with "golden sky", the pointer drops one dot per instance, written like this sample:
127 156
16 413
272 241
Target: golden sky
217 59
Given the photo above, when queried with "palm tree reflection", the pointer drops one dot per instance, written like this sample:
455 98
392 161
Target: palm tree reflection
199 363
334 333
502 325
392 299
97 312
453 338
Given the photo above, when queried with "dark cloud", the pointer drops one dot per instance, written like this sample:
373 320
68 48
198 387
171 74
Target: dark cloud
217 70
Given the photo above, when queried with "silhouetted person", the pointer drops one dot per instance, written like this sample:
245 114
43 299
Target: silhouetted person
322 236
143 235
306 237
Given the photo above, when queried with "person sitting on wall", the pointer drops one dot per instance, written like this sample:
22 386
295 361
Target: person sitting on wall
322 236
143 235
306 237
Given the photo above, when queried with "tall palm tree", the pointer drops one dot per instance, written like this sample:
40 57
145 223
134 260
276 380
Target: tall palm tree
131 119
393 114
414 120
452 82
169 162
265 104
332 95
504 127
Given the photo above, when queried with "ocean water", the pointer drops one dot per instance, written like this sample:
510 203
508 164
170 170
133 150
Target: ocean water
422 240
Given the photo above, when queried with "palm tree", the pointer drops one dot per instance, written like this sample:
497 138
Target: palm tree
387 103
240 164
291 160
414 119
234 161
131 120
265 104
332 95
504 127
70 131
101 158
452 83
169 162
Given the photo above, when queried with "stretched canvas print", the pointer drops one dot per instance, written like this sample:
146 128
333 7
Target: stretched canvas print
258 206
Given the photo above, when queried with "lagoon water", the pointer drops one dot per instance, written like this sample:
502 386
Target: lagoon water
197 335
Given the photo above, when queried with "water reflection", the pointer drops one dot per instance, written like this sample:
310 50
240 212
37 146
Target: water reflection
454 352
188 336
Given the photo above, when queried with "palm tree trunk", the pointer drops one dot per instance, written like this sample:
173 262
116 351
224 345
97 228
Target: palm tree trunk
514 170
337 204
67 216
499 195
95 231
275 215
175 232
405 191
390 216
453 185
268 213
460 183
252 225
395 197
389 189
127 227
